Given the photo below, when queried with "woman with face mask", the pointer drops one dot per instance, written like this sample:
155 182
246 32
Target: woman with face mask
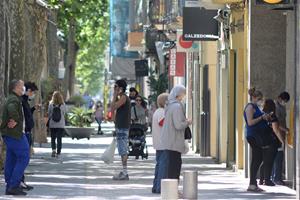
255 125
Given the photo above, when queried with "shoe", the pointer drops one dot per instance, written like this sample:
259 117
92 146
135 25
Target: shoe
15 191
24 186
269 183
154 191
53 154
254 188
121 177
279 182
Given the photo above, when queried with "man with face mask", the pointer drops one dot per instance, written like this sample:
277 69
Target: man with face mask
29 93
280 103
17 148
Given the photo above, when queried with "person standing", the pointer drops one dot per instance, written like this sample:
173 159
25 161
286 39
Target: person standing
172 136
280 103
121 104
56 113
30 89
99 116
157 124
255 125
17 147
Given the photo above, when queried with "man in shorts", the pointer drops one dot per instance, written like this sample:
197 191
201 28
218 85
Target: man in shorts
121 104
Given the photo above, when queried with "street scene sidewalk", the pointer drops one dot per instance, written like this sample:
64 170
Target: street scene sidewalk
80 174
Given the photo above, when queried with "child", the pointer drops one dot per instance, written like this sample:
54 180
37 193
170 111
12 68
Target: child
157 124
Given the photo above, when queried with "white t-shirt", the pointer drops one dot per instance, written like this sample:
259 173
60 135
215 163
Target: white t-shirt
157 122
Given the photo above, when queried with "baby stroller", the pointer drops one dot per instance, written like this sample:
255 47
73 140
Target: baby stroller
137 141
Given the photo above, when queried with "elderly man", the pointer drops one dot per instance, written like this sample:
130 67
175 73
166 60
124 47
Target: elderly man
17 147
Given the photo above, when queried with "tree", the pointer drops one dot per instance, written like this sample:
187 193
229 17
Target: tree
85 25
157 85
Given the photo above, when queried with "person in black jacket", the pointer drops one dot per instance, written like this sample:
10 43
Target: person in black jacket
30 90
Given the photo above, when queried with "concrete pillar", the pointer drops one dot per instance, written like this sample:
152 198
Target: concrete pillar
169 189
190 185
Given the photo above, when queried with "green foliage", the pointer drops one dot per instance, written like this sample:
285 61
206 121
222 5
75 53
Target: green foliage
77 100
80 117
157 85
91 18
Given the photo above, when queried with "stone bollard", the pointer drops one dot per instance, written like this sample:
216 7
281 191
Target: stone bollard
169 189
190 184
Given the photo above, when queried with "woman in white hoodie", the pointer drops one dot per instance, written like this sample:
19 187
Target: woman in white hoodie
172 136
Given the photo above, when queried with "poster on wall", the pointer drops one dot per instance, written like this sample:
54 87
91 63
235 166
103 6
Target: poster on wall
177 63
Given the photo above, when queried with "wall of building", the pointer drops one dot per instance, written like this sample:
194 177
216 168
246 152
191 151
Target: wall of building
268 48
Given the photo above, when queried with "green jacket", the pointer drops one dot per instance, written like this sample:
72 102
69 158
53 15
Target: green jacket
12 110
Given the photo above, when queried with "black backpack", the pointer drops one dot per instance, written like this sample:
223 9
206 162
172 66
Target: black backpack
56 114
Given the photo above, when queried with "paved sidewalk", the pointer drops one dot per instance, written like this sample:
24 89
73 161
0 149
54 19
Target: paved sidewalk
80 174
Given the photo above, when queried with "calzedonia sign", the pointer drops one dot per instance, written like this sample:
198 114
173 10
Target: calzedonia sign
199 24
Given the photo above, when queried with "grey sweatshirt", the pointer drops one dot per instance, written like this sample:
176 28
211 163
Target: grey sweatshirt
172 137
61 123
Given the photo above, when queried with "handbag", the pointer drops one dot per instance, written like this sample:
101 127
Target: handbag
187 133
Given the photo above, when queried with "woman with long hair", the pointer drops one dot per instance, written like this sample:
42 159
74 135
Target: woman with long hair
56 113
255 125
272 140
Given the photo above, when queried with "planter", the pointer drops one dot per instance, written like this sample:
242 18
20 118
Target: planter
79 132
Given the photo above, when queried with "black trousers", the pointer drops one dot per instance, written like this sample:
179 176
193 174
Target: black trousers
256 160
269 154
56 133
174 163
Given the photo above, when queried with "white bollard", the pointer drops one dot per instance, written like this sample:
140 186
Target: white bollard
169 189
190 184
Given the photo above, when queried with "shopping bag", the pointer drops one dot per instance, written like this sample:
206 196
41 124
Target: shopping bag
186 146
109 153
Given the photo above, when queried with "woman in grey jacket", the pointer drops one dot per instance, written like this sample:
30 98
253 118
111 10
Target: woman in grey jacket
56 113
172 137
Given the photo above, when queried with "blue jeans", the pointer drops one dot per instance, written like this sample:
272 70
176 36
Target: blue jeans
122 141
29 137
162 171
156 183
17 159
277 166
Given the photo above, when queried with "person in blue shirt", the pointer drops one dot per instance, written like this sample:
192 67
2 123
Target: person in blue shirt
255 125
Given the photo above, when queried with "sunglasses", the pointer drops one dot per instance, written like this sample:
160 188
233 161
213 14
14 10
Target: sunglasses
138 99
116 86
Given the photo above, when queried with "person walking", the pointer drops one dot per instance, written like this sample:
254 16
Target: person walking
121 104
157 124
272 139
255 125
280 104
172 136
99 116
17 147
30 89
56 113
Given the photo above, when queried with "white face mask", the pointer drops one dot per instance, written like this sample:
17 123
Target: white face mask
283 103
31 97
260 104
24 90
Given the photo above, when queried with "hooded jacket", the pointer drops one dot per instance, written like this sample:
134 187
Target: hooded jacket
172 137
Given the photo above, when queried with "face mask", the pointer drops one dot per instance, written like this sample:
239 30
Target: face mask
24 90
283 103
31 97
260 103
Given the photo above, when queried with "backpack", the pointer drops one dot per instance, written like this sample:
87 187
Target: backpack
56 114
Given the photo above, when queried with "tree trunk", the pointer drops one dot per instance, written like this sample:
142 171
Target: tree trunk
71 59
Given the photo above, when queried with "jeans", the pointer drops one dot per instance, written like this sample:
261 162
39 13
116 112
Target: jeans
122 141
99 121
29 138
268 160
17 159
162 170
156 181
56 133
277 167
255 161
